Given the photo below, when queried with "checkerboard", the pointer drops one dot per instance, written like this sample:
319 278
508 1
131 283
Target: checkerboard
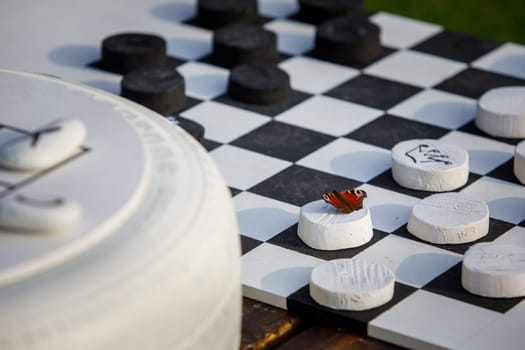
336 131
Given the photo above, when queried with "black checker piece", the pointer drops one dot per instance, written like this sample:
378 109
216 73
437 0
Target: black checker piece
240 43
317 11
214 14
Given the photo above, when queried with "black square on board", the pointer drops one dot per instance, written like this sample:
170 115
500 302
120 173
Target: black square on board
388 130
270 110
210 145
248 243
386 181
496 229
471 128
283 141
456 46
298 185
302 304
473 82
385 51
505 172
290 240
448 284
373 92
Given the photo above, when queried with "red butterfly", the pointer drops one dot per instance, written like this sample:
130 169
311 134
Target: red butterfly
347 201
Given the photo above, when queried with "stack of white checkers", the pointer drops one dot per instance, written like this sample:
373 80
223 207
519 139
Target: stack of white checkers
116 228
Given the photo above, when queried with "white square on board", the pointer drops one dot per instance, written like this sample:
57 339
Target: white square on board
278 9
349 158
403 32
243 169
261 217
514 236
443 322
504 332
506 59
415 68
438 108
506 200
484 154
293 37
224 123
329 115
315 76
204 81
413 263
271 273
188 42
390 210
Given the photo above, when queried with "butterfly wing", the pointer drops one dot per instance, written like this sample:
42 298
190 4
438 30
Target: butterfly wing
347 200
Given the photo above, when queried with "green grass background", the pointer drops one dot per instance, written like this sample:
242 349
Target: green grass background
502 20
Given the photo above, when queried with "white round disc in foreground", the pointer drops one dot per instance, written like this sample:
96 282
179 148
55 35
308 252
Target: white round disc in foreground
519 162
449 218
321 226
501 112
429 165
351 284
494 270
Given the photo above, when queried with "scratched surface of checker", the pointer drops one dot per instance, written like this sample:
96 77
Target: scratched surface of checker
337 133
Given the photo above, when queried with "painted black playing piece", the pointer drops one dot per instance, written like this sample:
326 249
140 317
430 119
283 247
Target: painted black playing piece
217 13
160 89
259 83
244 43
125 52
317 11
348 40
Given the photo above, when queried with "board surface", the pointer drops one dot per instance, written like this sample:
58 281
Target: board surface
336 131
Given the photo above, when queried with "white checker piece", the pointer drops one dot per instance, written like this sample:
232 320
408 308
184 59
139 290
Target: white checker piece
415 68
438 108
445 322
327 75
204 81
506 200
484 154
507 59
243 169
390 210
349 158
261 217
214 116
271 273
402 32
293 37
413 263
342 118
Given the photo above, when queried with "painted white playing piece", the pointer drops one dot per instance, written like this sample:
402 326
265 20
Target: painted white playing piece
519 162
351 284
43 148
323 227
494 270
24 213
449 218
429 165
501 112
